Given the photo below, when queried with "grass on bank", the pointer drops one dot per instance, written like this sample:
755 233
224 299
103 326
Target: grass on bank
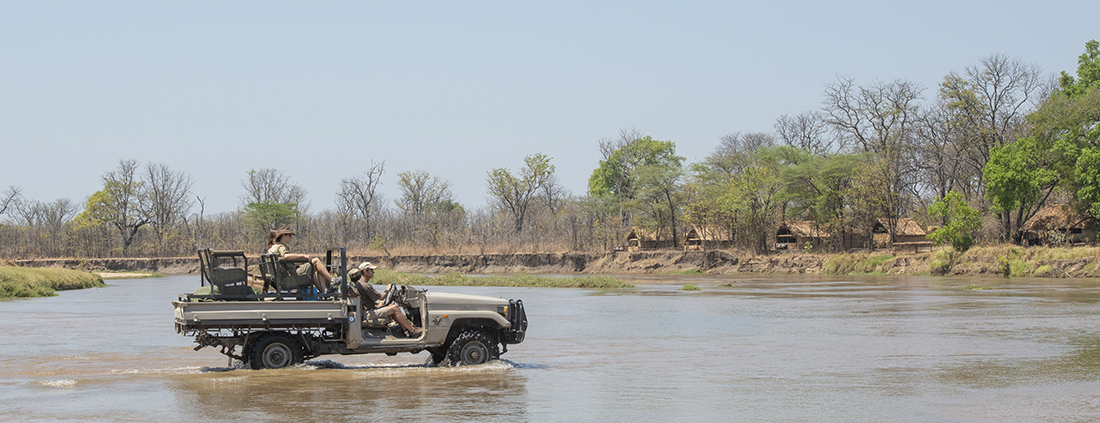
1003 260
385 276
43 282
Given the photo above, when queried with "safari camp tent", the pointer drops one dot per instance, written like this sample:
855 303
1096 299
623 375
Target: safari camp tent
909 234
796 234
708 238
1057 223
640 239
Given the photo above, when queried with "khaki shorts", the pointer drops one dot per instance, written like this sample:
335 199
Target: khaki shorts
304 270
376 317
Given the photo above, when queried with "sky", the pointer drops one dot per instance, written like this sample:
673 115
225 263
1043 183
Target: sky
319 90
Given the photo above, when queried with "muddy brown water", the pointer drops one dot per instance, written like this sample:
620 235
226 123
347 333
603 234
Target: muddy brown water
798 349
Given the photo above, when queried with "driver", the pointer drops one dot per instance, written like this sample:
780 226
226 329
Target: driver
373 301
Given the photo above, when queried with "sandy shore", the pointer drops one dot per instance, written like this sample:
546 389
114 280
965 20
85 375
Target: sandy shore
112 275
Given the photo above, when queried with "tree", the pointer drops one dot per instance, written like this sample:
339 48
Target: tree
659 192
814 190
168 194
420 191
807 131
617 174
9 199
360 195
882 119
1068 124
514 193
271 200
958 221
272 186
986 107
1018 179
122 203
752 195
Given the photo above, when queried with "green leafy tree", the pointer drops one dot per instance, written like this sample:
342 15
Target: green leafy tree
514 193
122 203
815 191
958 221
752 195
1018 181
261 216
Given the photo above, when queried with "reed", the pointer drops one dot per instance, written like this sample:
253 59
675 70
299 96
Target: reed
19 282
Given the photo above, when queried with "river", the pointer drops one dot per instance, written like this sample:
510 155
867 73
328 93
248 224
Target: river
744 348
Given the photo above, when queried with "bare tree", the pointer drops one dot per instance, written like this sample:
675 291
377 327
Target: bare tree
168 194
807 131
734 150
272 186
883 119
359 196
991 100
9 199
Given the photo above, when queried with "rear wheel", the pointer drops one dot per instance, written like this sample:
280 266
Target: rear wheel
473 347
274 351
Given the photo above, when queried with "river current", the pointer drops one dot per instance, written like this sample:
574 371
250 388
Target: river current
744 348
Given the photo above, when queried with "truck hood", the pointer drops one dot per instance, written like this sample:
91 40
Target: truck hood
437 299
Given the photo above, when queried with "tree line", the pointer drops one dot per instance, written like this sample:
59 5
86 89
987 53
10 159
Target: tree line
977 158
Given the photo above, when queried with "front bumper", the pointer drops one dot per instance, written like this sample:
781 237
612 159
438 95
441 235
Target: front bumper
517 316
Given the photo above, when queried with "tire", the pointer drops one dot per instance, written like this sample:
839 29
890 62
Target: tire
472 348
274 351
436 356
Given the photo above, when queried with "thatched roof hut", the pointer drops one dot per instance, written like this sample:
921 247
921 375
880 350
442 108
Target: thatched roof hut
797 233
644 239
708 238
1057 221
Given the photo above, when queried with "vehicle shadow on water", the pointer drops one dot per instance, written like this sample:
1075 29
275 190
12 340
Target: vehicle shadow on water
333 365
325 390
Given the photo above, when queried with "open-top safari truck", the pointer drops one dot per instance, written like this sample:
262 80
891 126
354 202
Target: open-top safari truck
286 321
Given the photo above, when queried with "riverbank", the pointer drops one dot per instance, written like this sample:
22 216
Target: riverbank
20 282
997 260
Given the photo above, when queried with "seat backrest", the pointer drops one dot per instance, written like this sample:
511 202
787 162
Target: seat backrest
276 273
225 279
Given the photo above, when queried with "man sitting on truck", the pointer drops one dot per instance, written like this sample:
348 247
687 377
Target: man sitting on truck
372 301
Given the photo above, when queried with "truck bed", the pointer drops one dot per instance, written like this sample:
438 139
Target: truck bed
198 315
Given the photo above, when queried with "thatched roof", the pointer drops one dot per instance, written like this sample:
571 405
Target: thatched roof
805 229
643 234
710 233
906 227
1054 217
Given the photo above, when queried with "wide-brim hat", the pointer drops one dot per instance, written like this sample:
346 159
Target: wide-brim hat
283 231
354 274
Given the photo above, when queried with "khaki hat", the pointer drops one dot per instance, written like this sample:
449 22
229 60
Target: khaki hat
366 265
354 274
283 231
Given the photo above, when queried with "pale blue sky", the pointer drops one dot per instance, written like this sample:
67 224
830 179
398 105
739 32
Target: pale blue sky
318 89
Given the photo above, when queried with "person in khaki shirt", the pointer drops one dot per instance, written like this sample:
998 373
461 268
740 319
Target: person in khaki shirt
372 300
276 244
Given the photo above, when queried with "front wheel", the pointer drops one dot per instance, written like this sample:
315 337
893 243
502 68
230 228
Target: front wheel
275 351
473 347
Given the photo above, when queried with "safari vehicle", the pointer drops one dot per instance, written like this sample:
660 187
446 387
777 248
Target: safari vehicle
287 322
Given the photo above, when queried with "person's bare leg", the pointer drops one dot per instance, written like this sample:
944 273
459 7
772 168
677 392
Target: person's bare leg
320 267
400 317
